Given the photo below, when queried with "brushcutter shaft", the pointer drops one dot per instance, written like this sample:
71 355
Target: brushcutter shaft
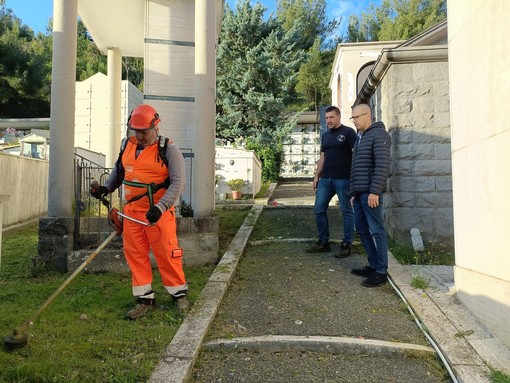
69 279
134 219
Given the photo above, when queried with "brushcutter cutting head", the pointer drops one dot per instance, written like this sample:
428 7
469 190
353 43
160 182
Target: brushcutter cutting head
16 340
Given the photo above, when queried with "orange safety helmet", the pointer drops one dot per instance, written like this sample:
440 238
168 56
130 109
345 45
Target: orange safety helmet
143 117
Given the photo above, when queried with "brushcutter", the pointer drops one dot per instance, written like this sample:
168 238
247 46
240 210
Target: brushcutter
19 336
114 215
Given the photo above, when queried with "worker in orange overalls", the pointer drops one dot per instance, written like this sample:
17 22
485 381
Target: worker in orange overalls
151 188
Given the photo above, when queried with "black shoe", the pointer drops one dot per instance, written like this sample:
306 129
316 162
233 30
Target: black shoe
375 279
345 250
364 272
319 247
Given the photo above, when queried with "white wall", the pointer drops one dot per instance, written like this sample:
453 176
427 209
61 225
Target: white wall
91 119
25 181
479 53
232 163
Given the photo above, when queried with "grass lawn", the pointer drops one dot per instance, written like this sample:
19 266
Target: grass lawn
83 336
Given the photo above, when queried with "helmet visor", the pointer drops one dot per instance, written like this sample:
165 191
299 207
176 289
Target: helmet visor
140 129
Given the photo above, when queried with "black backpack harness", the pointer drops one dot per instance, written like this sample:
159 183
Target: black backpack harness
152 188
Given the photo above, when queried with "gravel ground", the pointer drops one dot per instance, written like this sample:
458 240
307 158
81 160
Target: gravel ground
287 291
279 289
309 367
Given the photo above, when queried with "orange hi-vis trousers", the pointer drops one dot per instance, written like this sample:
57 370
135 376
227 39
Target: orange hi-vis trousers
162 239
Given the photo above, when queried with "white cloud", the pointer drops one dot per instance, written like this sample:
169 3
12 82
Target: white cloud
345 8
340 8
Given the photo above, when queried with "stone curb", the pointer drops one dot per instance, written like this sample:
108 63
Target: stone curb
323 344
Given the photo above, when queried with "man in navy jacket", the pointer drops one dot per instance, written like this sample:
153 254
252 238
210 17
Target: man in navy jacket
369 175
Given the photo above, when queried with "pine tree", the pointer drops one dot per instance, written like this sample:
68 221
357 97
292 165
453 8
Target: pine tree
313 77
257 66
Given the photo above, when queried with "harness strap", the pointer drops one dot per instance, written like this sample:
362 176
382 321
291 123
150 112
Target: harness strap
152 188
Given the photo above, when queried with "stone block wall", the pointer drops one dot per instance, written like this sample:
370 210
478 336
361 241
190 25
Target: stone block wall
198 237
413 102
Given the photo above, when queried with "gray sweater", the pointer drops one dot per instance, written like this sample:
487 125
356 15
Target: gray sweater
371 161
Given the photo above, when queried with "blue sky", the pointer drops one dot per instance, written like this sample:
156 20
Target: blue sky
36 13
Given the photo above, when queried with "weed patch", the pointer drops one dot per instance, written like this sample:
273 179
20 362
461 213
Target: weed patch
498 377
420 282
433 255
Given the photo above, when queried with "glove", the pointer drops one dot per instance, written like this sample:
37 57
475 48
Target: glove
153 214
100 192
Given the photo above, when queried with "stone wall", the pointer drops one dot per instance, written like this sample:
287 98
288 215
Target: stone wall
413 102
198 237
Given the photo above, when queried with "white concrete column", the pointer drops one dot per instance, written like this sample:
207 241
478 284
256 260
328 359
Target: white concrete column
114 105
205 111
60 189
3 198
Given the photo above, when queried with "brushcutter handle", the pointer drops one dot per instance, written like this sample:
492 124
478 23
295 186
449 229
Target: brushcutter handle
99 192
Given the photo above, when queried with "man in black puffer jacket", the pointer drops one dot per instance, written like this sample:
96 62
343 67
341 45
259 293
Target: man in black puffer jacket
369 175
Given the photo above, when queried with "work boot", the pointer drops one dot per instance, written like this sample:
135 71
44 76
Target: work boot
375 279
364 272
345 250
319 247
182 304
142 307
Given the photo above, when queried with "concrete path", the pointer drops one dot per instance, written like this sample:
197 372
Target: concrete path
276 309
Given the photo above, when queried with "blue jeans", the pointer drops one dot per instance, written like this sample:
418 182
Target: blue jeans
371 232
326 189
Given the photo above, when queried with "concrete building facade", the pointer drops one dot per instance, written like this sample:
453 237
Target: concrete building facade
237 163
353 62
301 149
407 88
441 100
177 40
479 95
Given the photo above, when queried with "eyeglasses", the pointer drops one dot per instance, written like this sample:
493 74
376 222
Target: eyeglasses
356 117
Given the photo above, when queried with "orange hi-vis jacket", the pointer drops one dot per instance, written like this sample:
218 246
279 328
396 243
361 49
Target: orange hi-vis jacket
162 237
148 168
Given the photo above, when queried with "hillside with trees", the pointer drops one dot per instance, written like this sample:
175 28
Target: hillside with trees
267 67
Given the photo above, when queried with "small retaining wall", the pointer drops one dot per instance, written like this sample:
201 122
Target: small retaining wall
197 236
